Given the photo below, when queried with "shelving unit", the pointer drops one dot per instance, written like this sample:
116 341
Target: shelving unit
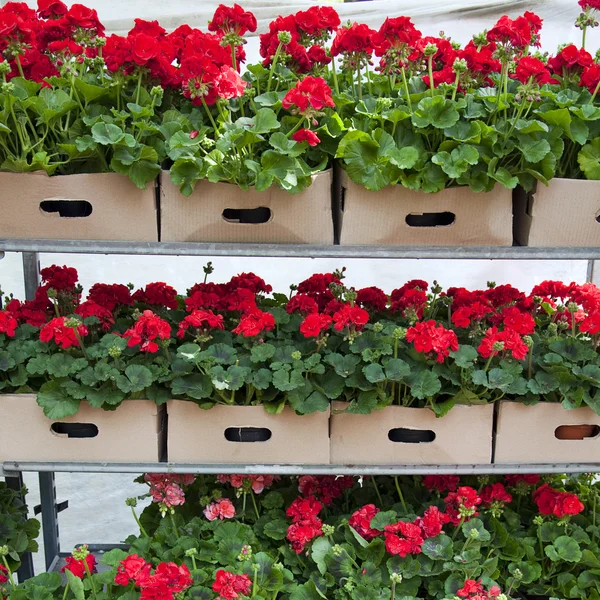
31 247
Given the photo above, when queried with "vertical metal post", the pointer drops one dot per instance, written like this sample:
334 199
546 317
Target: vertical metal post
25 571
31 277
590 271
49 517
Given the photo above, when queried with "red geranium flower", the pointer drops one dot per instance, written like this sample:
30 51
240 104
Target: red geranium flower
200 319
110 296
86 18
429 337
517 33
317 20
3 574
441 483
356 38
507 340
555 502
48 9
402 539
315 324
230 586
360 521
350 315
132 569
590 78
495 492
77 567
311 92
570 58
89 308
372 298
147 329
462 504
325 488
229 84
306 135
62 334
157 294
59 278
432 522
232 19
255 323
8 323
532 69
302 303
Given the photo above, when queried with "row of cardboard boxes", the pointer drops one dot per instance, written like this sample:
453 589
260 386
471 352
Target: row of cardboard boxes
181 432
333 209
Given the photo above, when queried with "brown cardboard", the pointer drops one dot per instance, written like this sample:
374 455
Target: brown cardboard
562 214
132 433
525 434
379 218
120 211
304 218
463 436
198 436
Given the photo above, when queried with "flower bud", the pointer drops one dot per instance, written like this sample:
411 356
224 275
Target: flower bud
72 322
498 346
285 37
337 550
100 42
474 534
459 65
539 520
377 327
328 529
552 328
517 574
131 502
4 550
572 307
4 68
157 91
430 50
396 578
191 552
296 355
245 553
528 340
399 333
81 552
51 293
114 352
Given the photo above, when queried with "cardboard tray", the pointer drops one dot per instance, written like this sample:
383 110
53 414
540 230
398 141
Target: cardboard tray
214 211
132 433
566 213
31 205
463 436
397 216
526 434
199 436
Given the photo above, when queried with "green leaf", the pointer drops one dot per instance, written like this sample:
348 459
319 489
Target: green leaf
344 365
396 369
383 518
75 585
530 571
107 133
424 384
56 402
262 352
265 121
197 386
277 529
564 548
465 356
438 548
319 550
374 373
359 538
483 535
113 557
533 149
457 162
136 379
435 111
589 159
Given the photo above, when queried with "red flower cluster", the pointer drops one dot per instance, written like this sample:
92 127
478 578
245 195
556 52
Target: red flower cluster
3 574
532 69
157 294
89 308
441 483
109 296
474 590
515 480
411 297
325 488
309 95
462 504
232 19
200 320
147 329
555 502
63 334
570 60
254 323
372 298
517 33
428 337
306 525
256 483
8 323
356 39
59 278
503 341
360 521
403 539
495 493
230 586
165 583
78 567
349 316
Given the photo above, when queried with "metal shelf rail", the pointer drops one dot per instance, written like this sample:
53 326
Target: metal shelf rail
31 247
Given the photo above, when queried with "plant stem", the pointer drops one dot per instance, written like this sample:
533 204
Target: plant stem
359 82
460 524
139 87
393 590
583 36
530 362
255 583
18 61
273 65
430 70
377 491
66 590
255 506
405 83
175 531
335 79
10 577
369 84
138 523
594 94
233 59
397 482
212 121
295 128
455 86
89 574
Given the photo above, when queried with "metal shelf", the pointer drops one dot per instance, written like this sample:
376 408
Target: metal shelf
13 467
298 250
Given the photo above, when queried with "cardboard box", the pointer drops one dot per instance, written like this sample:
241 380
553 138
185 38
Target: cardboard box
132 433
463 436
566 213
213 213
527 434
397 216
100 206
201 436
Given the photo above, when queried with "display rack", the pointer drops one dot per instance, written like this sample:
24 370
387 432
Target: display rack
31 247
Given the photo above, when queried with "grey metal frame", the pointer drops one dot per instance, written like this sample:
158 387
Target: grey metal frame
46 470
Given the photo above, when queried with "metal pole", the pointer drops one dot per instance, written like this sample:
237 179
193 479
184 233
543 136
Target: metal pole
49 517
25 571
31 274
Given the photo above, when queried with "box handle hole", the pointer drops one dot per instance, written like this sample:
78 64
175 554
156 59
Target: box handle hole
439 219
247 434
576 432
598 218
67 208
262 214
75 430
411 436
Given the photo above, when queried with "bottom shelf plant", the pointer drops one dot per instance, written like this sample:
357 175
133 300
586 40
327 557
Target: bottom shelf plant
307 538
